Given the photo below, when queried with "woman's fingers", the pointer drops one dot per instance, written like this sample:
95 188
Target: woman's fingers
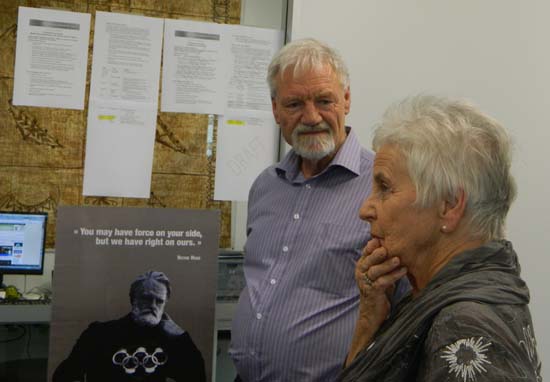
376 268
389 279
371 246
377 256
380 269
376 273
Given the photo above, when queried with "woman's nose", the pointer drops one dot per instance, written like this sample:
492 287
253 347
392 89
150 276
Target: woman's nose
367 211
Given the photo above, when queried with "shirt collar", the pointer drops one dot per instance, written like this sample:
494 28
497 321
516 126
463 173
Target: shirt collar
348 157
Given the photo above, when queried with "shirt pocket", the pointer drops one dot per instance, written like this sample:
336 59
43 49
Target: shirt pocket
333 264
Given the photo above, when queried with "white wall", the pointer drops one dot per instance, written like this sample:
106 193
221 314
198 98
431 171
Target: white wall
493 52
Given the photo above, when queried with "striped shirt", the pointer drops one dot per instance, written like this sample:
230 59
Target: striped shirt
296 315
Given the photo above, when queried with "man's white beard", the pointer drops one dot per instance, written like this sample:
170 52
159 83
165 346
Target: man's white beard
145 319
314 146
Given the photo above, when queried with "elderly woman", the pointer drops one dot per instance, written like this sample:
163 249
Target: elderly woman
442 189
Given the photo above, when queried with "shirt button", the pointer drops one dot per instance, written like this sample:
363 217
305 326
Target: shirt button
308 186
259 316
252 352
273 281
285 249
296 216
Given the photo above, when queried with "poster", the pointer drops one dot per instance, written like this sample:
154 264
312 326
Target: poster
193 67
216 69
101 252
246 146
249 52
122 112
51 58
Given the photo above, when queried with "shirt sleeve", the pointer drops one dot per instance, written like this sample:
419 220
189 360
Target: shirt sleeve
470 341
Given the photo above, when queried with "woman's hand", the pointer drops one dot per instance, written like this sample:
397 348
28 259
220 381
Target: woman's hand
376 274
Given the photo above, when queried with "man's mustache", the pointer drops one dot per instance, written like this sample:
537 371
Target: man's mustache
322 126
149 311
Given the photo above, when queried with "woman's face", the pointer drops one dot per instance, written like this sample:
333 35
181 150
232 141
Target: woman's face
406 231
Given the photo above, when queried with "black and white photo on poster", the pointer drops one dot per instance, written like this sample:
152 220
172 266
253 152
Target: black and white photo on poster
134 294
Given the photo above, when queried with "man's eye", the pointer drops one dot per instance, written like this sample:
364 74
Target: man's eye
292 105
324 102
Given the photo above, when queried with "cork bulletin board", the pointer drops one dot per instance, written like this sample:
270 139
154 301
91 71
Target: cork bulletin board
42 149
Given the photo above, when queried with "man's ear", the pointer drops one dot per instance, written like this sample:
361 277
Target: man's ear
452 211
275 110
347 100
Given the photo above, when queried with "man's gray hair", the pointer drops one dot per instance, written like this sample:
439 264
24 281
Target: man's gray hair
451 146
139 284
302 55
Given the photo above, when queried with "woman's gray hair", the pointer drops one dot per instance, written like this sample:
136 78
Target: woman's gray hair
143 281
451 146
302 55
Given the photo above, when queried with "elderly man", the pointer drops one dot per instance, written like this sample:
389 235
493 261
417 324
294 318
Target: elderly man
144 345
295 318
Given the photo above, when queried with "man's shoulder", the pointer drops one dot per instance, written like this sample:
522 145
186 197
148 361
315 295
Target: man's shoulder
366 154
102 326
265 178
367 161
268 172
170 329
355 147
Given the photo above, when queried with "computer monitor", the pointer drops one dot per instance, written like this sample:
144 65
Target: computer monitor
22 243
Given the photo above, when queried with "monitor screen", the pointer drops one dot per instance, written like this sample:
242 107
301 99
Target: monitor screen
22 241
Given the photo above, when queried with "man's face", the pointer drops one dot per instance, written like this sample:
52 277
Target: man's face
148 303
310 108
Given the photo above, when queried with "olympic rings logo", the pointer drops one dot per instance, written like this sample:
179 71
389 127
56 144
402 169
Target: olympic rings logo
140 357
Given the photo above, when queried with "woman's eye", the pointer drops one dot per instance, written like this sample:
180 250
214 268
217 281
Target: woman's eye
383 188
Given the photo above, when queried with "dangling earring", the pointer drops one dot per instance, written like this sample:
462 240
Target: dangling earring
444 228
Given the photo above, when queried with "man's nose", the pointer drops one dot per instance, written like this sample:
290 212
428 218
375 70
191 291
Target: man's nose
310 114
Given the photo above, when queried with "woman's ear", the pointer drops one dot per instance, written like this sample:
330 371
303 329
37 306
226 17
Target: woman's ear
452 212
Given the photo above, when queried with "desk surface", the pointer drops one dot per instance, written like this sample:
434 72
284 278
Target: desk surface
35 313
